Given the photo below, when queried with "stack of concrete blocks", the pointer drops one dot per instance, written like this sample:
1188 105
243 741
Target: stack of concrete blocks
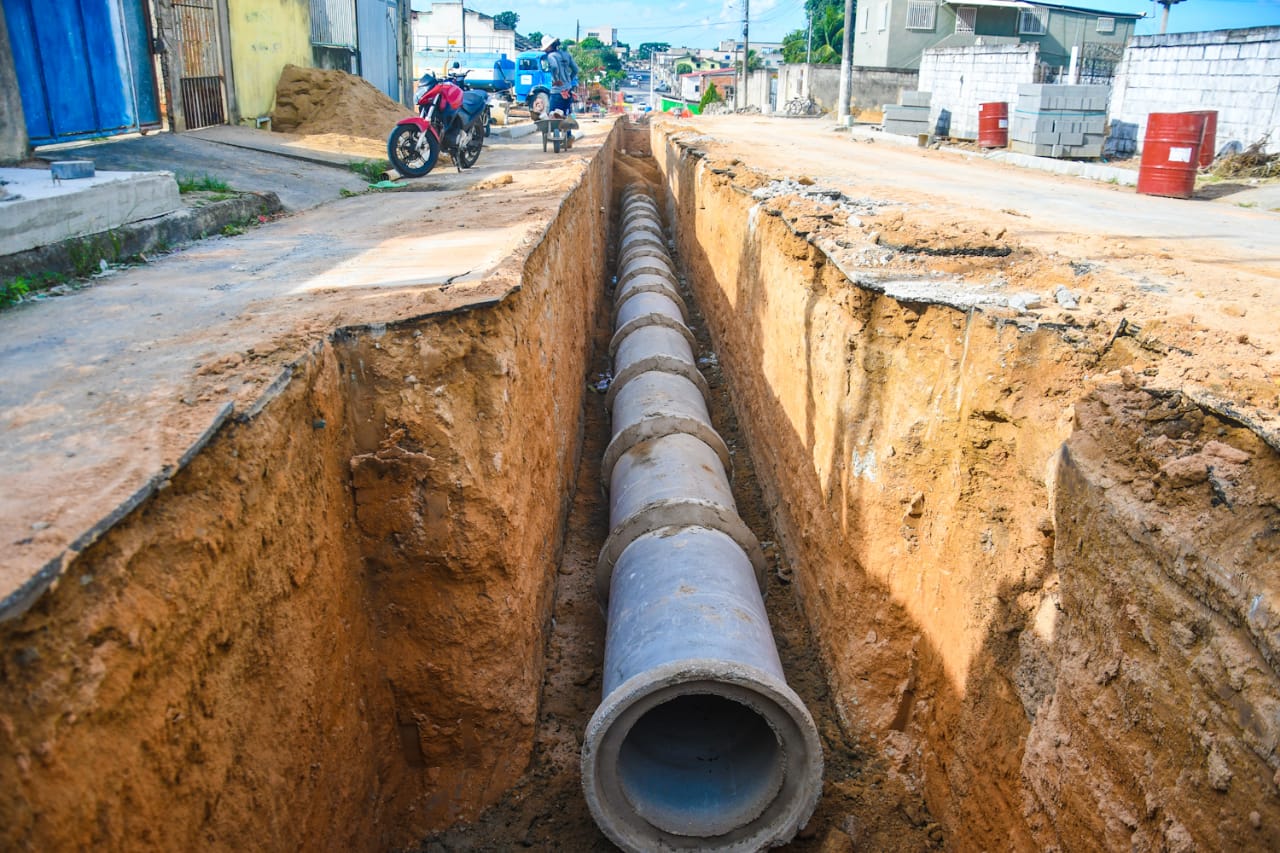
1059 121
909 117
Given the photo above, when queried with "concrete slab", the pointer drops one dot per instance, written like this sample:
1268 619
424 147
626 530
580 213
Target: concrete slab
39 211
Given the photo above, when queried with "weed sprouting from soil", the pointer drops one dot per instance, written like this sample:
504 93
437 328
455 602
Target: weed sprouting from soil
202 183
369 169
18 289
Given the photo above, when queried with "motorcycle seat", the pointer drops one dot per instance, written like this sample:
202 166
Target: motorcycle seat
472 103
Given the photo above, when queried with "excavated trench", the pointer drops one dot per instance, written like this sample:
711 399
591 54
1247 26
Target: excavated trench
1027 598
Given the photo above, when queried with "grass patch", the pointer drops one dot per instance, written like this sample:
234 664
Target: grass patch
370 170
15 290
202 183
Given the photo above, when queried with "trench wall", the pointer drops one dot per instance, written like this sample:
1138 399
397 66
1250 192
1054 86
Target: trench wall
990 612
327 631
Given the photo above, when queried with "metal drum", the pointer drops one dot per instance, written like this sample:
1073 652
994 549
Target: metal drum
993 125
1171 154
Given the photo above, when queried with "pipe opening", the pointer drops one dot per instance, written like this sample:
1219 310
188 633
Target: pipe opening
701 765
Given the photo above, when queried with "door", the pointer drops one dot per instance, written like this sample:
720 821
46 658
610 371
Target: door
84 67
377 27
201 79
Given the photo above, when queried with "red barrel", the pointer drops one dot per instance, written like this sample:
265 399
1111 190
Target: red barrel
1209 142
1171 154
993 125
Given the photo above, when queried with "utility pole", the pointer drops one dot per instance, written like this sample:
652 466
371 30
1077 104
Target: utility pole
1164 17
746 56
463 6
808 59
846 65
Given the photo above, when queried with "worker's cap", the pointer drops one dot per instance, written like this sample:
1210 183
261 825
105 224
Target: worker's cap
548 42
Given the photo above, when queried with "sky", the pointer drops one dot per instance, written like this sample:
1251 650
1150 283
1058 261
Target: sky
704 23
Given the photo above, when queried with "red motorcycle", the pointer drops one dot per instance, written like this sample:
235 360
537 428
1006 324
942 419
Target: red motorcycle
450 119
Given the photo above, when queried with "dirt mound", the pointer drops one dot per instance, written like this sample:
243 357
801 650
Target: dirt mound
317 100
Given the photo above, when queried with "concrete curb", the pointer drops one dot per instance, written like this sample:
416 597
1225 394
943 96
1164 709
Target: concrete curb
1092 171
138 238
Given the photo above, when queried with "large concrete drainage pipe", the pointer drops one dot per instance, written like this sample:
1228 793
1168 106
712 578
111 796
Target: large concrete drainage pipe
698 743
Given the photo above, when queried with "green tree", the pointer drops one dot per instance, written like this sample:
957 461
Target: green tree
649 48
754 62
683 68
827 20
596 61
535 37
711 95
506 20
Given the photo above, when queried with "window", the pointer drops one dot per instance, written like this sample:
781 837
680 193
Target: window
884 17
1106 26
921 14
333 23
866 18
1032 22
966 17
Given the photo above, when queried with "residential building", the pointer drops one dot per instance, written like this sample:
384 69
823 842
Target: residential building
450 26
692 85
894 33
608 35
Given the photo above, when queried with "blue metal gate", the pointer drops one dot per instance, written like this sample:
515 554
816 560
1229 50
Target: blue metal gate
84 67
377 23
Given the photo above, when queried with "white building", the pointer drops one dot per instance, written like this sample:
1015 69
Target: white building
449 26
608 35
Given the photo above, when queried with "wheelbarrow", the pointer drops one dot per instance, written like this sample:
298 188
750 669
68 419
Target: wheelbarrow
556 131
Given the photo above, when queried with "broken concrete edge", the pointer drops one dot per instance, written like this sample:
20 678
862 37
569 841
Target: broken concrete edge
21 600
161 233
962 299
46 578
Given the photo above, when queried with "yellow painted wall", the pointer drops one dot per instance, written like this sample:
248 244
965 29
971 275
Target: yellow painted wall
266 35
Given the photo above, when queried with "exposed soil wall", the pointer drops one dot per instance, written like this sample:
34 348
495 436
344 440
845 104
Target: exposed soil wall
327 631
962 573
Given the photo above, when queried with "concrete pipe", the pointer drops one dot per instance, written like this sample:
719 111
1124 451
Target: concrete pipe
670 481
640 240
642 284
638 202
699 744
641 219
652 263
655 404
653 348
648 308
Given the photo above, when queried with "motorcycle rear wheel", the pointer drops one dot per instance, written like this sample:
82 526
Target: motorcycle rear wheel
470 153
402 151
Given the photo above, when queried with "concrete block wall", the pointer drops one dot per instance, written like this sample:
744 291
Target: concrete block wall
1236 72
962 78
871 86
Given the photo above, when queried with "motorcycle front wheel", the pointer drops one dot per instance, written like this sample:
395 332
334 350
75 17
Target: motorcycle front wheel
402 151
469 152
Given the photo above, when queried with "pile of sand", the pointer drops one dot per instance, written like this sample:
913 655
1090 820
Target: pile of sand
317 101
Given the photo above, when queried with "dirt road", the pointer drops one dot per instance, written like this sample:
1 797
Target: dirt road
1200 278
109 387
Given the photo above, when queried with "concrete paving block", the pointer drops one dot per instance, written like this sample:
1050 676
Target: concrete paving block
70 170
915 99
